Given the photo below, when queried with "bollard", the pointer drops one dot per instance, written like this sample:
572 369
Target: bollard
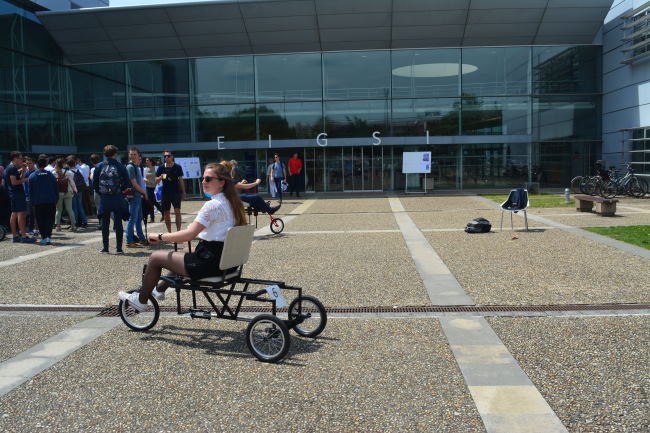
567 196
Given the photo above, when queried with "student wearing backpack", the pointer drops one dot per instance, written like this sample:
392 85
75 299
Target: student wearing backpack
44 194
135 201
77 199
67 189
109 180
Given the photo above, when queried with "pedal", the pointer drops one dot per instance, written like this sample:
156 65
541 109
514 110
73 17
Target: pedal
195 313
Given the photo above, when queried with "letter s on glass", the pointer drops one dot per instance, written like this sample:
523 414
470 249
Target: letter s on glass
375 137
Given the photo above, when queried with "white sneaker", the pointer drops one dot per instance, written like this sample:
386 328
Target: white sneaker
133 299
159 296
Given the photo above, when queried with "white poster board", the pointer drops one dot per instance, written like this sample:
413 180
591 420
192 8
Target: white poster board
191 167
416 162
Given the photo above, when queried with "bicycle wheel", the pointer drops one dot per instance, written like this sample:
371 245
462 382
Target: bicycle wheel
3 233
277 225
575 184
583 185
267 338
313 313
634 188
608 190
140 320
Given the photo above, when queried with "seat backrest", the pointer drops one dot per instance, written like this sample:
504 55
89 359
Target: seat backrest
517 199
237 246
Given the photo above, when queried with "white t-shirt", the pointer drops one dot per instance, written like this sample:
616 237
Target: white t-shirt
217 217
85 171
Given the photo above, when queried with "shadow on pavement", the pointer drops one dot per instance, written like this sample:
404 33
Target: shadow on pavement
221 342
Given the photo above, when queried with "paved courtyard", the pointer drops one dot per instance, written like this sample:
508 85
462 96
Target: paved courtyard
430 328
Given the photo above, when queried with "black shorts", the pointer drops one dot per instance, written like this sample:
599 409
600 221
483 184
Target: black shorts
169 200
204 261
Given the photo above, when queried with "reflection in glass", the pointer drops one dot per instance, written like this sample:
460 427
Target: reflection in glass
224 80
98 86
357 75
425 73
291 120
495 165
555 163
495 116
44 126
567 69
413 117
233 122
333 169
161 125
567 117
95 129
289 77
356 118
500 71
159 82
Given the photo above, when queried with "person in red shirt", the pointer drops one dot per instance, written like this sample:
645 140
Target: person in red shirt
295 170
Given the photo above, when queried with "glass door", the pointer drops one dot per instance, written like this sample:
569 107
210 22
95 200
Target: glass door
333 169
377 161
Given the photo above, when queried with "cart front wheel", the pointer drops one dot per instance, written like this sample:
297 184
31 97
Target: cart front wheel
313 315
267 337
140 320
277 225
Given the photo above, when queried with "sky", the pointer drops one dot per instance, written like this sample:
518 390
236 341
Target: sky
149 2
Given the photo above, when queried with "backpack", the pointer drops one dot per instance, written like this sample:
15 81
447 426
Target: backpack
79 181
62 183
478 225
109 180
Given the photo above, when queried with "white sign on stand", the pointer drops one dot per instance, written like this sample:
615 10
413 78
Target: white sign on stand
191 167
275 292
416 162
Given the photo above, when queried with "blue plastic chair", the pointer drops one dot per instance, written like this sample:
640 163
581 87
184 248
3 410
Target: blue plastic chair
517 201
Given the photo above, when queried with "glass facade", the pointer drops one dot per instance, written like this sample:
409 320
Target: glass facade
493 116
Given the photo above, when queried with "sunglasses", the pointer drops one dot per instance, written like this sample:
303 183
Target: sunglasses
168 156
208 179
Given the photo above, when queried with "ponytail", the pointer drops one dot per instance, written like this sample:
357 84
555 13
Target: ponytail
230 192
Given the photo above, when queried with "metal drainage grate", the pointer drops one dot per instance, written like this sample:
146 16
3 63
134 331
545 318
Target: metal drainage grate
113 310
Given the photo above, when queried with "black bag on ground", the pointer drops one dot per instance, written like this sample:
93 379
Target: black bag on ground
478 225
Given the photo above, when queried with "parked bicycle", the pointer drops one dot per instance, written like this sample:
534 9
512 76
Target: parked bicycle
627 184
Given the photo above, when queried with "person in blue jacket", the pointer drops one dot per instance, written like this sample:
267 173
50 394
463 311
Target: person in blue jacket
44 195
110 179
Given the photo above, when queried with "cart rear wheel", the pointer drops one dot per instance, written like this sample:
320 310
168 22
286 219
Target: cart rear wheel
140 320
314 315
267 337
277 225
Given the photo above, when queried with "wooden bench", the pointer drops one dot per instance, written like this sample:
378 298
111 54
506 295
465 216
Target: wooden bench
604 206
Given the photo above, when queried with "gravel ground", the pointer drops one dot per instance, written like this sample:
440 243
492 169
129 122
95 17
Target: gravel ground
543 267
77 276
429 203
378 221
592 371
369 269
370 375
458 219
349 205
589 219
19 333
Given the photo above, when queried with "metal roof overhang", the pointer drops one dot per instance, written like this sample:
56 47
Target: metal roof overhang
237 27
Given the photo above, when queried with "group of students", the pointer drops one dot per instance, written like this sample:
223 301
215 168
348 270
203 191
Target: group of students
39 191
126 193
38 194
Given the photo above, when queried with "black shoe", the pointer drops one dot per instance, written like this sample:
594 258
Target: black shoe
120 252
103 251
274 209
